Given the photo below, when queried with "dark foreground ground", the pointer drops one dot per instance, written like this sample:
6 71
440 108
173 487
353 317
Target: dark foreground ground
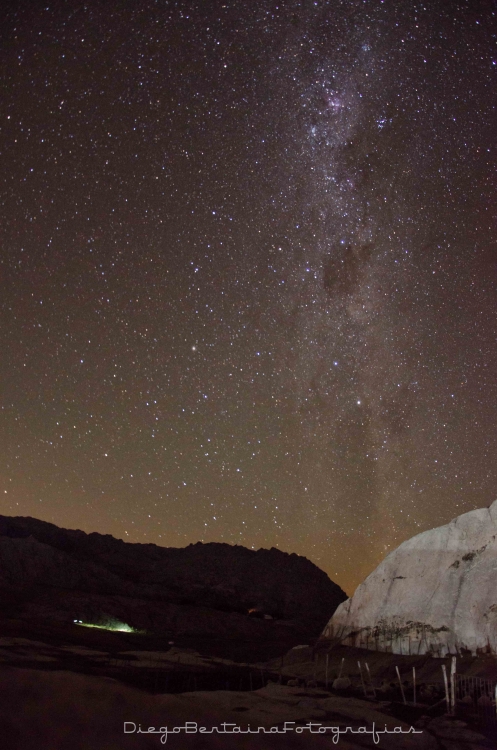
72 687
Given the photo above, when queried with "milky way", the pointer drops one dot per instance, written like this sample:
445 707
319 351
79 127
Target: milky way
249 272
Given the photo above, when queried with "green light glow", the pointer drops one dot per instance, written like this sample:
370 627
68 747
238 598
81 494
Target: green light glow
120 626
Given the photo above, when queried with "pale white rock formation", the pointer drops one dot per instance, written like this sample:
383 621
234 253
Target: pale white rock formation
436 593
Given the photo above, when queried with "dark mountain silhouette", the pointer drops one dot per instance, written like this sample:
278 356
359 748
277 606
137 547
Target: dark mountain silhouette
201 591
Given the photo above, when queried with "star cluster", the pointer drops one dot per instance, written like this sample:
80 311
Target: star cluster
249 271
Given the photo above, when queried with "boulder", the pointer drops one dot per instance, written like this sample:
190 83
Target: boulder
436 593
341 683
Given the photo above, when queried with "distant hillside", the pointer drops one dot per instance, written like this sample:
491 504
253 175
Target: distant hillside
203 589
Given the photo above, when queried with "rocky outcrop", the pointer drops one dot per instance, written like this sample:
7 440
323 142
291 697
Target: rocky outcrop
203 588
436 593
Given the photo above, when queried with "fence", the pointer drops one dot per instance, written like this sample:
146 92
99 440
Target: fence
476 698
183 675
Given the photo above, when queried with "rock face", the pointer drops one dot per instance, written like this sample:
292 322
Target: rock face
202 589
436 593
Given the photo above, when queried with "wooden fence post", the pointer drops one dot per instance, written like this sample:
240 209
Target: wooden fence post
401 686
447 699
326 672
362 679
414 684
453 686
370 680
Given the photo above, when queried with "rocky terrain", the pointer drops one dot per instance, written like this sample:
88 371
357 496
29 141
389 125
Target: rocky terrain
61 709
64 685
268 599
436 593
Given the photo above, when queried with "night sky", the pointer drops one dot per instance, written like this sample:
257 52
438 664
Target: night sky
249 271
